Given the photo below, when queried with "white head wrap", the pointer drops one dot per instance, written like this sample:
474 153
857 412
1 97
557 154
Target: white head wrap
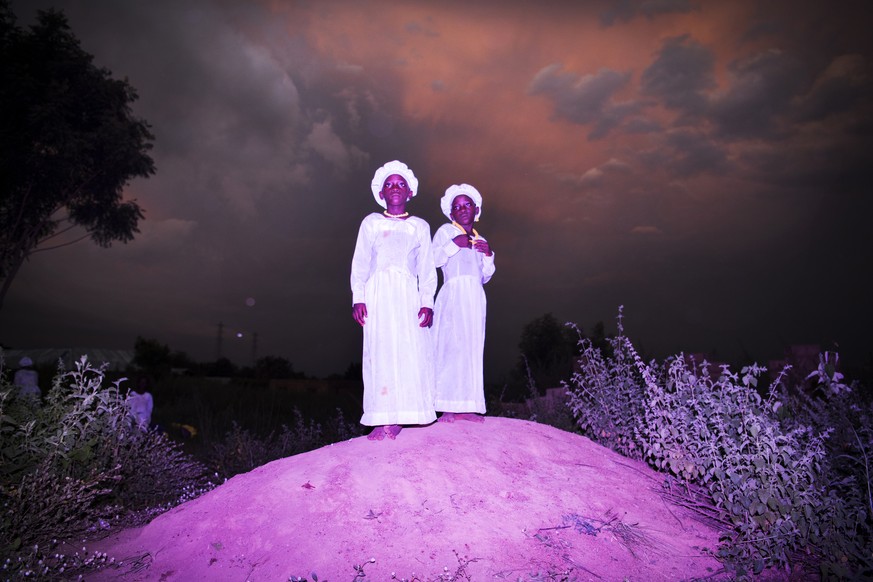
395 167
453 192
25 362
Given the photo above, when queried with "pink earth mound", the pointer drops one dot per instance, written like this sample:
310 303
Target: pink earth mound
504 499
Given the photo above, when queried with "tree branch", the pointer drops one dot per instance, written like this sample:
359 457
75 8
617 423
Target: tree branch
66 244
60 232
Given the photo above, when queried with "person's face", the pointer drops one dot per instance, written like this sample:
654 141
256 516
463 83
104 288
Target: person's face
464 210
395 191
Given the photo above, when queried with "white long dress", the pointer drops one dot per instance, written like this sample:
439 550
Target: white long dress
393 274
27 381
459 324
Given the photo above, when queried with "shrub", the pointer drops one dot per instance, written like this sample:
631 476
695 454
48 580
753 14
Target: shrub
78 464
768 471
241 450
767 484
607 396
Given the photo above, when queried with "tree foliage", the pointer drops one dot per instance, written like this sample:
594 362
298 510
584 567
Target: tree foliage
68 147
547 348
152 357
275 368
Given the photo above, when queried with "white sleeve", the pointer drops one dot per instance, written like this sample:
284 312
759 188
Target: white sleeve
427 277
443 246
487 267
361 263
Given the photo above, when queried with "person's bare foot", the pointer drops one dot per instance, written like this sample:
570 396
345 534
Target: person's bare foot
447 417
392 430
377 434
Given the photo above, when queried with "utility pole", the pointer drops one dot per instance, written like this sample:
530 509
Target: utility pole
218 341
254 348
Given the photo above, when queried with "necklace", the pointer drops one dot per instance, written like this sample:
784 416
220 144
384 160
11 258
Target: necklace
389 215
462 229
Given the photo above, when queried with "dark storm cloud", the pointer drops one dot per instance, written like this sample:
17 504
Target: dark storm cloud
242 153
626 10
692 153
681 75
846 84
642 125
675 163
763 87
761 29
682 153
584 99
593 180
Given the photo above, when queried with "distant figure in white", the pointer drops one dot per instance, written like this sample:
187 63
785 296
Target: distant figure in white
27 379
141 405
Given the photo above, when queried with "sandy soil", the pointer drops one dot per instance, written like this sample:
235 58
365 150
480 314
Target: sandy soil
504 499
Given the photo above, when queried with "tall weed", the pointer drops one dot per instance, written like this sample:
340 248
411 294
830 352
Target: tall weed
241 450
767 469
607 396
78 464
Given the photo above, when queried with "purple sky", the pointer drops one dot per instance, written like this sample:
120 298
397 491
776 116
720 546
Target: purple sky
708 165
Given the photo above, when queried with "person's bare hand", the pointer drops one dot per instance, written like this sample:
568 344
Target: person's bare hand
359 312
462 240
427 312
482 246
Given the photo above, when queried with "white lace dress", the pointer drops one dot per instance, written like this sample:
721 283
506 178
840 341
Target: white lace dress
459 324
393 274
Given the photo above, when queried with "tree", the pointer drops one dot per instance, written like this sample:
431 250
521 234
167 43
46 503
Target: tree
69 144
152 357
222 367
547 348
275 368
600 339
549 352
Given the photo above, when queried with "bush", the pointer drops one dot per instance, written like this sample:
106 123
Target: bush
607 396
241 450
78 464
768 471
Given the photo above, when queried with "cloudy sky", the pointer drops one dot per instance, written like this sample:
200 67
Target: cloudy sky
707 165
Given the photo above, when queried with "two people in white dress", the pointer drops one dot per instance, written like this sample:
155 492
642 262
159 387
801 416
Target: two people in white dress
410 371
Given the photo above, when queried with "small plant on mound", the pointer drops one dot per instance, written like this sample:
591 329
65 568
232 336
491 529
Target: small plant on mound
241 450
607 395
767 484
77 465
773 481
456 574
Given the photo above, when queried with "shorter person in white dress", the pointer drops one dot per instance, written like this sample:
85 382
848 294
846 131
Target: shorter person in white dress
393 284
467 263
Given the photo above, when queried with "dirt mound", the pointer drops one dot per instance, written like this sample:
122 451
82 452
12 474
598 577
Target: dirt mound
503 499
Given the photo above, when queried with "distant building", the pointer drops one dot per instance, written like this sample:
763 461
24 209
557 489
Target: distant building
116 360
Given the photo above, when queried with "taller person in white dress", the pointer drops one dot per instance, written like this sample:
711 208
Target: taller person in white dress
393 284
467 263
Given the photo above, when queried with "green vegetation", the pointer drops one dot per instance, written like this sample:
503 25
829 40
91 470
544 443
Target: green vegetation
784 472
234 425
76 465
